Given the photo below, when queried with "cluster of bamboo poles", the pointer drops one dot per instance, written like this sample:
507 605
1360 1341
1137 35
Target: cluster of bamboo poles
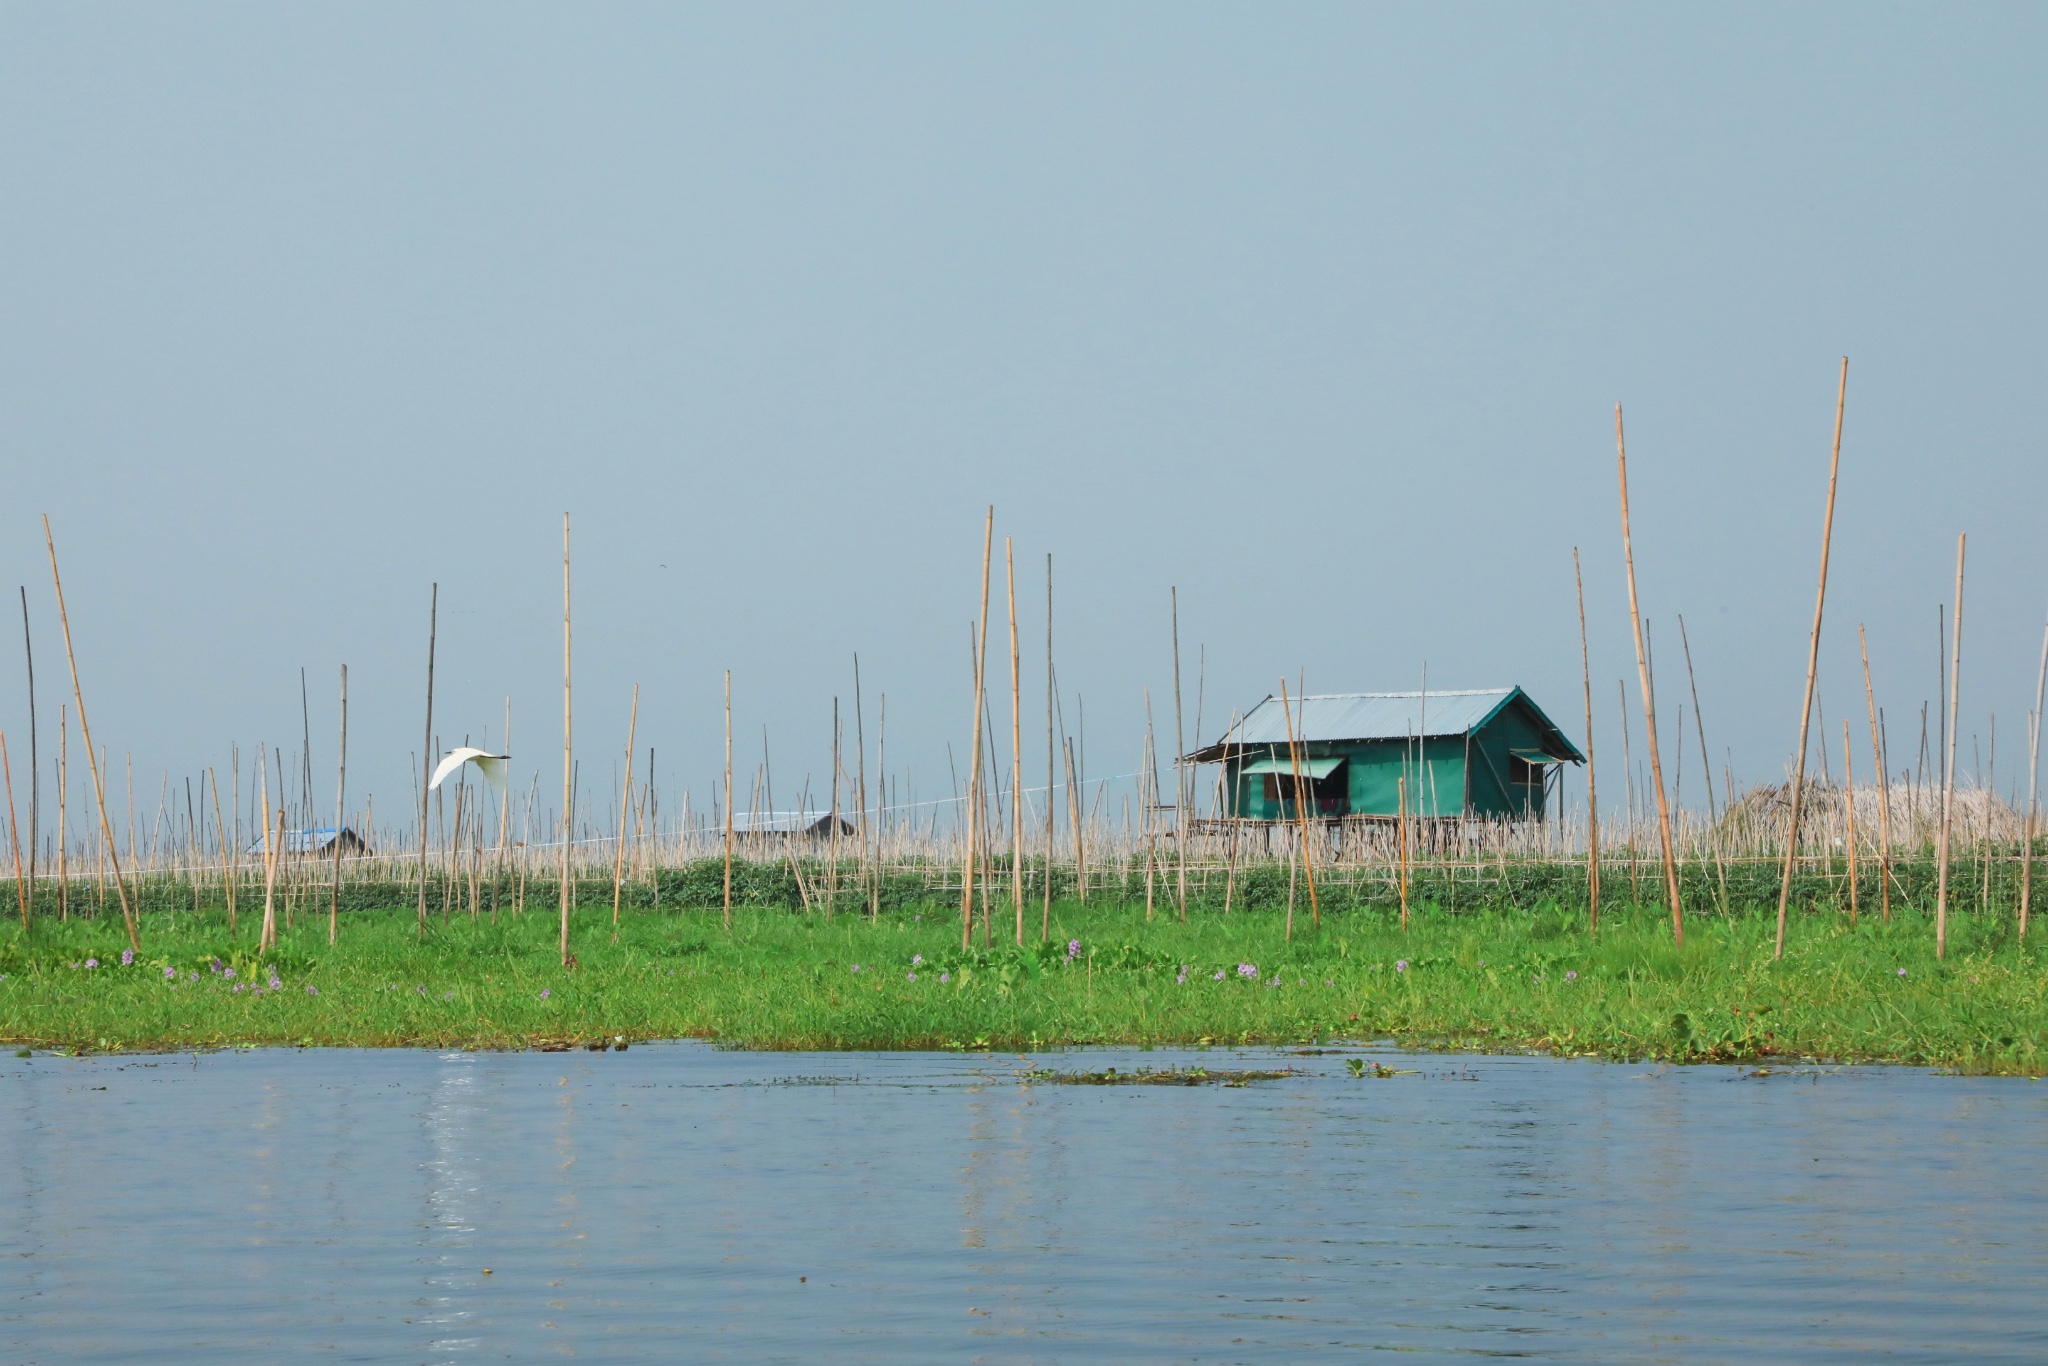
998 840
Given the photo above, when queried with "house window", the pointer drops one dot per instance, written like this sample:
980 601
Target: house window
1331 796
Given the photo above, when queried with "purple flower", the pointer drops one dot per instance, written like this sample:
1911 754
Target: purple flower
92 962
1247 970
945 977
1182 979
1219 974
216 966
170 974
312 990
1401 966
916 958
1073 949
856 967
275 984
1571 976
1902 972
127 958
545 992
911 976
238 987
195 977
228 973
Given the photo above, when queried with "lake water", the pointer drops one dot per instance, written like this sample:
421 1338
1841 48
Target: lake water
682 1203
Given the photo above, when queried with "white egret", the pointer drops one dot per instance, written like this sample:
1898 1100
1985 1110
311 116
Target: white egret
492 766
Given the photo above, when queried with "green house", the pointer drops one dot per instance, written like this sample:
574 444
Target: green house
1488 753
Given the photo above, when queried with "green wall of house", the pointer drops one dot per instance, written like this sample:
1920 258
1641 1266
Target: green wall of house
1452 775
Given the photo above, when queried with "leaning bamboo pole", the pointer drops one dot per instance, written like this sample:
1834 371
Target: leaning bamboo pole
1592 789
1706 764
974 766
99 789
1948 775
2033 787
35 764
1649 698
1820 599
13 835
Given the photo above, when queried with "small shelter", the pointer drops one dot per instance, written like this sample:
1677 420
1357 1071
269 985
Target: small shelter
1486 753
315 843
815 825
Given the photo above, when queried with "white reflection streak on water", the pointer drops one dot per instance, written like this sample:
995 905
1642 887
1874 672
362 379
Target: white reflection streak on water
451 1186
568 1202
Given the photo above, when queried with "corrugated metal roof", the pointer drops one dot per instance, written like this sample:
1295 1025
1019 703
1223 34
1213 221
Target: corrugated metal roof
1368 716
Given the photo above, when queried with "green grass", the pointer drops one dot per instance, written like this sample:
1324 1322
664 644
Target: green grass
782 980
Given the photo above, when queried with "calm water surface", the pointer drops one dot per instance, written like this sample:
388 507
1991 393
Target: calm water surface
678 1202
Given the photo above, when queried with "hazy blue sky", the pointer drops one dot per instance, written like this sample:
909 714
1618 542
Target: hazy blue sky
1316 311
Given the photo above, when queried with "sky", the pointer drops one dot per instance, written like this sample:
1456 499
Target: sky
1313 315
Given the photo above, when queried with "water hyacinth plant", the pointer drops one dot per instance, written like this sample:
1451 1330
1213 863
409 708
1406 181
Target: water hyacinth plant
782 980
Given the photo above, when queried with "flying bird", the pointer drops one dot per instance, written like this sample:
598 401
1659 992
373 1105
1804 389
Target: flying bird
492 766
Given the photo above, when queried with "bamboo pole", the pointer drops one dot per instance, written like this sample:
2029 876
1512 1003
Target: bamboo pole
1180 781
1884 801
99 789
870 870
1948 776
1148 800
340 806
625 801
13 833
227 878
1016 749
728 799
1820 598
1051 766
1849 791
568 751
1308 868
2033 786
35 766
1236 820
974 766
1649 699
1401 836
426 748
266 938
63 835
1706 763
1592 790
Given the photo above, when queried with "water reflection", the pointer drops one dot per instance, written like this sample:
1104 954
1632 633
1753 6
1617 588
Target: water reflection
684 1202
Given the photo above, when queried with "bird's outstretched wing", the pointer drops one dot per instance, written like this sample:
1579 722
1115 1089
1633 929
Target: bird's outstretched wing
492 766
